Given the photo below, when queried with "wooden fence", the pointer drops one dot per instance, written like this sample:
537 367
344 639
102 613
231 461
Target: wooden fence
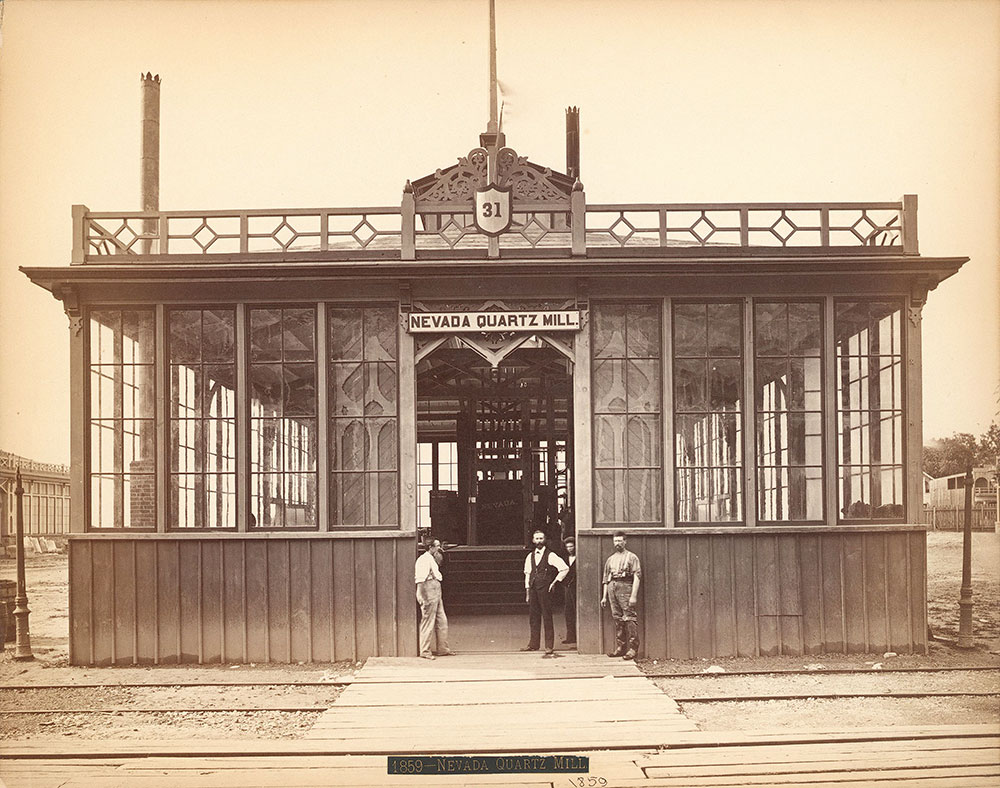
953 518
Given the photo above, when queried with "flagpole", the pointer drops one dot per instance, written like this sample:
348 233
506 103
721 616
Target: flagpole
494 121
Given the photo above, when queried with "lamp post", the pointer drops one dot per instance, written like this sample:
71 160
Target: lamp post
965 595
22 646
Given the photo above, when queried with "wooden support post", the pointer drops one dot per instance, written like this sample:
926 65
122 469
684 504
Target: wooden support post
551 494
913 397
407 431
583 473
243 507
831 435
408 225
161 387
669 460
78 420
909 219
323 517
749 435
79 252
527 472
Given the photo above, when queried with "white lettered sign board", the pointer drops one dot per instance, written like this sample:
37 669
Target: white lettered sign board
513 321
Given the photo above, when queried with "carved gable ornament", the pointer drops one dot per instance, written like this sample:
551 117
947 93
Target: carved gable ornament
492 211
526 181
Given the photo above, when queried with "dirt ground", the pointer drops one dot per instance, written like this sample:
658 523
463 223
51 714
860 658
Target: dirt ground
46 578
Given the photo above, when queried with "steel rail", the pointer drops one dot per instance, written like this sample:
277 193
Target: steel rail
348 681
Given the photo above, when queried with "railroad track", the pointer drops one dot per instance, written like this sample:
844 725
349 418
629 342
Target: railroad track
347 681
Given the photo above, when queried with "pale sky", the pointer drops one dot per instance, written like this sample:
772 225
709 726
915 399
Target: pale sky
328 104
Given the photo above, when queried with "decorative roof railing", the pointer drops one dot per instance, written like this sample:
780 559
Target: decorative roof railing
571 226
11 462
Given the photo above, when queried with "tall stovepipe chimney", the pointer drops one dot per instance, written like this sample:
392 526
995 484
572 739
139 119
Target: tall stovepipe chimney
149 184
573 142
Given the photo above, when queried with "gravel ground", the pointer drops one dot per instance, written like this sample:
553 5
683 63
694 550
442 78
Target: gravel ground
46 577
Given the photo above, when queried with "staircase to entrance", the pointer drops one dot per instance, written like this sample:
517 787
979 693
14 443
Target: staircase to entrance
484 580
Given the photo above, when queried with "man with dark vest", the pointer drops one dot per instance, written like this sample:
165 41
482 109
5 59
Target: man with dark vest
569 590
621 589
542 570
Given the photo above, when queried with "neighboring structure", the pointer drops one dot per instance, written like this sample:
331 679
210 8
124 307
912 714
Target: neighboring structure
46 497
944 501
736 385
947 492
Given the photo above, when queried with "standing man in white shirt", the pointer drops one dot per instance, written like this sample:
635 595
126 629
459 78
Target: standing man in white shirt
542 570
433 620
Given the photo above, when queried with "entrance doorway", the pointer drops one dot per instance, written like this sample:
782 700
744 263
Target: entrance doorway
494 463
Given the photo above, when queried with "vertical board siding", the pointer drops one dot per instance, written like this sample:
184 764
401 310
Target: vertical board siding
745 594
811 579
918 589
855 610
300 601
124 607
189 586
211 601
145 600
233 602
208 600
81 608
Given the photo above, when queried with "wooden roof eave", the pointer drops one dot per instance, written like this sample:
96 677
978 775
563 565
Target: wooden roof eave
932 269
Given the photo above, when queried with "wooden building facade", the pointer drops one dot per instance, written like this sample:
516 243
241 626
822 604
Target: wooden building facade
256 393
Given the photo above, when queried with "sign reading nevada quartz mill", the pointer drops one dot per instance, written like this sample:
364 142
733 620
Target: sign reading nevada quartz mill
458 322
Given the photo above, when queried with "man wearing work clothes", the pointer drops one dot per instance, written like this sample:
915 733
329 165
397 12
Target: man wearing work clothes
542 570
427 574
621 588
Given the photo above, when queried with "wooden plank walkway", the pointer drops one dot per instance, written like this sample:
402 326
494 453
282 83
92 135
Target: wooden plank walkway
931 757
498 703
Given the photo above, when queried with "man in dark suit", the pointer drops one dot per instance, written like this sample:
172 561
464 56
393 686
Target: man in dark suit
569 590
542 570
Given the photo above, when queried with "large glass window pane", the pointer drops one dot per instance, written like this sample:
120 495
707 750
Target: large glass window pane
283 411
708 399
363 395
201 354
628 433
788 397
122 427
869 410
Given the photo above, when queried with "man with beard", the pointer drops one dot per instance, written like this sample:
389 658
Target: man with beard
621 588
433 620
542 570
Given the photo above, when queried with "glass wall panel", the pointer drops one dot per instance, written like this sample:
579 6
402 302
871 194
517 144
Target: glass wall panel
122 427
870 410
364 442
628 427
201 353
708 398
788 397
281 376
437 469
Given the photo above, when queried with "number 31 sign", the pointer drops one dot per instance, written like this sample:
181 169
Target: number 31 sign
492 212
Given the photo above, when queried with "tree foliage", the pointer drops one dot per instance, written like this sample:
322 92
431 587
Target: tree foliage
947 456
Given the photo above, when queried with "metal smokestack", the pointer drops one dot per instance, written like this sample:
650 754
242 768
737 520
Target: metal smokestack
573 142
149 156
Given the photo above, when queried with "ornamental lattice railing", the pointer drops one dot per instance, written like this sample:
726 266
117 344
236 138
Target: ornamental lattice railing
438 230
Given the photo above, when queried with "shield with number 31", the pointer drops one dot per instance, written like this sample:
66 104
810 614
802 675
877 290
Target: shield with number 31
492 211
